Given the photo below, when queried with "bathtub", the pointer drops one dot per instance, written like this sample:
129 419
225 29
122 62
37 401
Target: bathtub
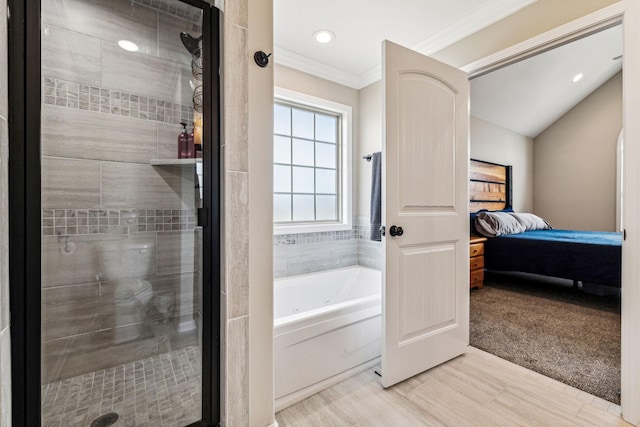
327 326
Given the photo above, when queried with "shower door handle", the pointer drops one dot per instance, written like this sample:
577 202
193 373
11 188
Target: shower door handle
203 217
396 231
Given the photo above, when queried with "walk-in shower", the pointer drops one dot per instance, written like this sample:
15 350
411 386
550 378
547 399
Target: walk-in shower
127 230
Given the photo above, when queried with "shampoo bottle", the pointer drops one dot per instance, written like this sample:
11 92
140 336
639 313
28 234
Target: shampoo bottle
183 143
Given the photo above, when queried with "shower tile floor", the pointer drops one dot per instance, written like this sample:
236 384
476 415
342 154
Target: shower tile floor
159 391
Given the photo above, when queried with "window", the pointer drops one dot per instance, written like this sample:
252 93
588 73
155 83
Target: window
311 170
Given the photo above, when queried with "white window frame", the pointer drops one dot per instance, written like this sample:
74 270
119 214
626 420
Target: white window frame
344 167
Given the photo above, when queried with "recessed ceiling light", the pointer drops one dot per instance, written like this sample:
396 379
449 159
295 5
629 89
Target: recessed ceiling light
128 45
577 77
323 36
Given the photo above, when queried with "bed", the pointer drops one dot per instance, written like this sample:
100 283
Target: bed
590 257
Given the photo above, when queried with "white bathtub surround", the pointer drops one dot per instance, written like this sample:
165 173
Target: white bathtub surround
326 324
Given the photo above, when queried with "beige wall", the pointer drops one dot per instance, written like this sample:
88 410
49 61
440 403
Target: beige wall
575 163
495 144
295 80
370 142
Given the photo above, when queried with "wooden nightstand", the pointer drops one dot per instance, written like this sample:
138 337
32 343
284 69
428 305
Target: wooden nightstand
476 261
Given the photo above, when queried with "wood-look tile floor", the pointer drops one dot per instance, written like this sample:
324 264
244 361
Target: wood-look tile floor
475 389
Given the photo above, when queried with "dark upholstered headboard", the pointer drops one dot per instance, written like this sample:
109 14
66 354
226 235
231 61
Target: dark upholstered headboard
489 186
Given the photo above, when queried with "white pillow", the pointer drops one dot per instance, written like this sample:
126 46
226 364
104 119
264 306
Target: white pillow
494 224
531 221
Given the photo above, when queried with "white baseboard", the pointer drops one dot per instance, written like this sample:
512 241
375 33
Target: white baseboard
297 396
275 424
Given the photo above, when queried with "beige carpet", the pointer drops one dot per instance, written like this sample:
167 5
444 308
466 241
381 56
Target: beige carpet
551 328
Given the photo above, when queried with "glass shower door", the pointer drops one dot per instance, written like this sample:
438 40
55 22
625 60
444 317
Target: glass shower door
122 180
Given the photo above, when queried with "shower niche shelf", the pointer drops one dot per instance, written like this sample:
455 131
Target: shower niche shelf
169 162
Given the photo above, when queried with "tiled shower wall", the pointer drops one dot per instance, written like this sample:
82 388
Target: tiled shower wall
310 252
106 113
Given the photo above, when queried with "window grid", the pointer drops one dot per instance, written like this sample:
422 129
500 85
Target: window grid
315 141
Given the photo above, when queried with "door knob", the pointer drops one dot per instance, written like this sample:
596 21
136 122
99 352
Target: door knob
396 231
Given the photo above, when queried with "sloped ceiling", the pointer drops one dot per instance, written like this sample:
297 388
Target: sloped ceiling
529 96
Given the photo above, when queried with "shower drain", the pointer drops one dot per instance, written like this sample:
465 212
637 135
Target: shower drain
105 420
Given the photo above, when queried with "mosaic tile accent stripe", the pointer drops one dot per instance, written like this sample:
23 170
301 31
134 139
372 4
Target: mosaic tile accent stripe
359 231
163 390
174 8
304 238
69 94
57 222
363 231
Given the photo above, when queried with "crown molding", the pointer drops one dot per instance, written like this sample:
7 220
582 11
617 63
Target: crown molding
371 76
469 24
306 65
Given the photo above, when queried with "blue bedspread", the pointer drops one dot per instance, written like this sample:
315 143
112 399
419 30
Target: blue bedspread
588 256
573 236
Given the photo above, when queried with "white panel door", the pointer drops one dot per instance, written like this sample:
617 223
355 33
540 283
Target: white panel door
425 163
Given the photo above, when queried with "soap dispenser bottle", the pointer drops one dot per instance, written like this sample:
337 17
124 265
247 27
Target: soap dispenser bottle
183 143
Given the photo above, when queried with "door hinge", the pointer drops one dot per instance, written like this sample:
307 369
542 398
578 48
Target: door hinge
624 234
203 217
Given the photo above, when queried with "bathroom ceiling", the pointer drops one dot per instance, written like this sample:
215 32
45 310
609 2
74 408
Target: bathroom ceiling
353 57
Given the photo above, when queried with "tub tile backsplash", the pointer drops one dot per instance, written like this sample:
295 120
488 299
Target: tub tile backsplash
370 254
348 253
308 258
302 253
280 255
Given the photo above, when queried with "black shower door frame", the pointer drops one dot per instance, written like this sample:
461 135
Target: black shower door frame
24 211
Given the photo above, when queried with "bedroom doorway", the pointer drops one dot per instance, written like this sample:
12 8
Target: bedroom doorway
560 133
